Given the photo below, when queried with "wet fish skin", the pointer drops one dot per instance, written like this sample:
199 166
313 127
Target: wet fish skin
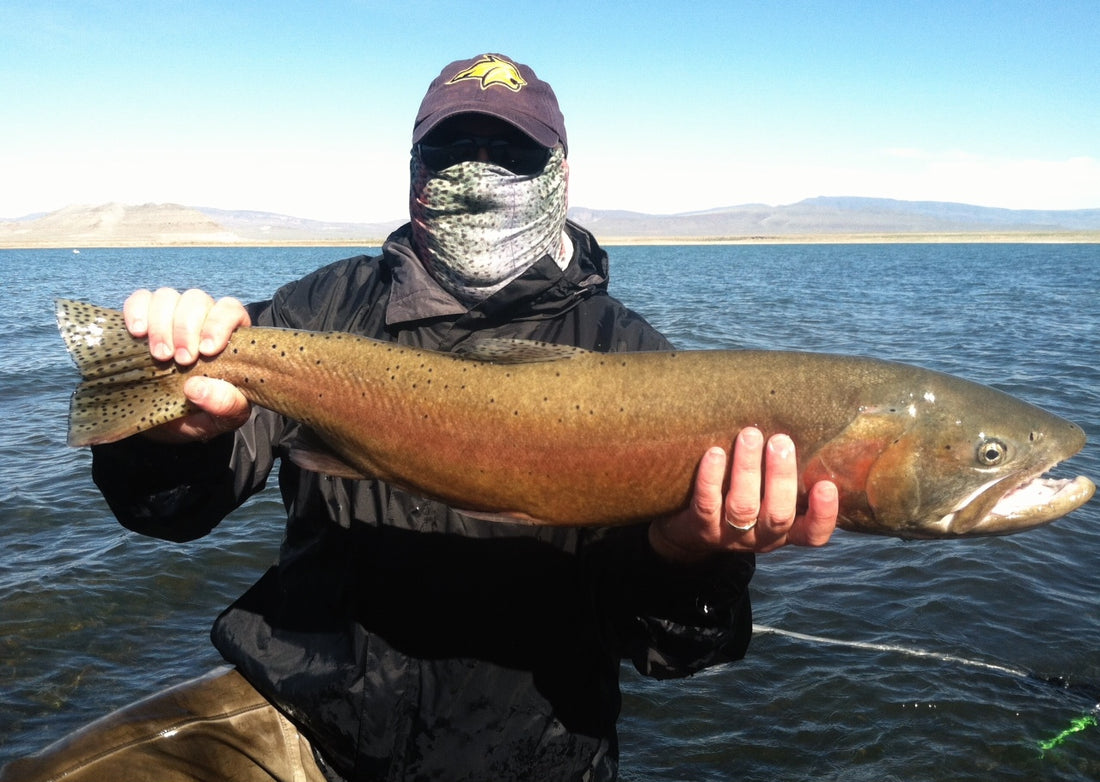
558 435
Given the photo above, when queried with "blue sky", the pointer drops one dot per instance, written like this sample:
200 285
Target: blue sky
305 108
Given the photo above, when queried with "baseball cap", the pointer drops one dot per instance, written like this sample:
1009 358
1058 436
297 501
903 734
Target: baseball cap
495 85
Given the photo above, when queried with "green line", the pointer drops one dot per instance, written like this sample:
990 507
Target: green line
1078 725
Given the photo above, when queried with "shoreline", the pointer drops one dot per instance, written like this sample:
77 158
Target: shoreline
991 237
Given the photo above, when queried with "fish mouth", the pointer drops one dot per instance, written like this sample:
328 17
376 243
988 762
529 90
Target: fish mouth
1035 501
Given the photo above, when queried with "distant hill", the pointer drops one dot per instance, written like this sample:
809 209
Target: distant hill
115 225
838 216
271 227
815 219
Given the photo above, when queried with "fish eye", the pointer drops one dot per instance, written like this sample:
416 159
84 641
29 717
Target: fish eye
992 452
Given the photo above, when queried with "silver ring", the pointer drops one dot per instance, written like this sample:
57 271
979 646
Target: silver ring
738 527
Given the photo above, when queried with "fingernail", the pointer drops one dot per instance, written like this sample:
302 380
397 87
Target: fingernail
162 351
751 437
206 346
183 356
196 390
782 446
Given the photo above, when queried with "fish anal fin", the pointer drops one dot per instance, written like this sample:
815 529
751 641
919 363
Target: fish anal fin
506 517
325 463
311 453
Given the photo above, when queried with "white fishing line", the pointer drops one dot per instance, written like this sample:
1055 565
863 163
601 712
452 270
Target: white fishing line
906 650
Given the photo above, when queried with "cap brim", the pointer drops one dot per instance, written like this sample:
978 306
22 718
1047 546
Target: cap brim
534 128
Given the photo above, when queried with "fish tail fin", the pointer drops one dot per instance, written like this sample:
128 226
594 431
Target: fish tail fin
124 389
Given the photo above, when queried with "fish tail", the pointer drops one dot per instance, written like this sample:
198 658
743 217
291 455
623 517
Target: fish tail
124 390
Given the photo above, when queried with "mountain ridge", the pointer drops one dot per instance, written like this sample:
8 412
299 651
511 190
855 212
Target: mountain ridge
824 218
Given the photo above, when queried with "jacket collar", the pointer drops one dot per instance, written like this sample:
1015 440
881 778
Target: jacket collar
543 290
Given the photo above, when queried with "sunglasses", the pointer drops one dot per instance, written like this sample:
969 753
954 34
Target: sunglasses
520 157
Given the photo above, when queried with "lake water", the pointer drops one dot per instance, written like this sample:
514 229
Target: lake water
875 659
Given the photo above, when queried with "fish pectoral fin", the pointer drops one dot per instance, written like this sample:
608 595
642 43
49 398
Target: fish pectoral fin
495 350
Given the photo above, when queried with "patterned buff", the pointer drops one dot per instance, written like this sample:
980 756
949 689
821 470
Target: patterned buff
477 226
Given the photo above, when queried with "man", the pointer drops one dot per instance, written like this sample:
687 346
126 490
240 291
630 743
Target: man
396 638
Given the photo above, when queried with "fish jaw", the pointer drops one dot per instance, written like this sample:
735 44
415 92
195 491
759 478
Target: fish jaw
1004 507
1035 502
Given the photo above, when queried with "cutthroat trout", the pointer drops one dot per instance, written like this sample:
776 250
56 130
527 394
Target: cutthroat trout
559 435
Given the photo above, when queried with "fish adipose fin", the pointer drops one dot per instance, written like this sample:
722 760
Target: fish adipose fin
124 390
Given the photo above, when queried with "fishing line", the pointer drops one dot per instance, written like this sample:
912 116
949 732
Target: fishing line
1084 722
906 650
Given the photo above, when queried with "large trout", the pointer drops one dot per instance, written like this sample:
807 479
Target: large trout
558 435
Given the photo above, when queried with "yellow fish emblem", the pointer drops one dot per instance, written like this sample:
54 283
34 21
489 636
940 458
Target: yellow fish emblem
491 70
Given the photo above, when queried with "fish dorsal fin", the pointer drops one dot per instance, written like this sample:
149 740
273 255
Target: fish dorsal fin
494 350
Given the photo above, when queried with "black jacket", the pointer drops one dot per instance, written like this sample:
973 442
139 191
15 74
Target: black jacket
409 641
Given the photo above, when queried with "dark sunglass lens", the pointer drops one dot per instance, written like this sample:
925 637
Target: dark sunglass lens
519 158
444 156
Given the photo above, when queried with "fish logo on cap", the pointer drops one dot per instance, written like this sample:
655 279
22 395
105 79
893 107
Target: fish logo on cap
490 70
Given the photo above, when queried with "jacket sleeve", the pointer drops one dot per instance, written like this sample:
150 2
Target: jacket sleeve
669 619
180 492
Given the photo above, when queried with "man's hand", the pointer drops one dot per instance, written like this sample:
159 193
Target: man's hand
746 518
183 327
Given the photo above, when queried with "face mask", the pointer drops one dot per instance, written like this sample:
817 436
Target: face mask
477 226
